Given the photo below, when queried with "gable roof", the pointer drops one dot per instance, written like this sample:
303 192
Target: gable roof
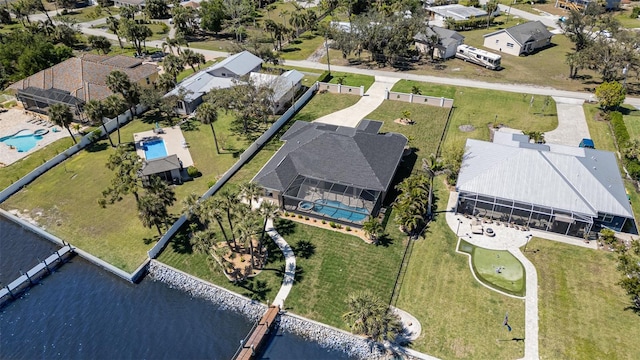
239 64
155 166
527 32
85 77
445 36
357 157
199 84
585 181
280 84
457 11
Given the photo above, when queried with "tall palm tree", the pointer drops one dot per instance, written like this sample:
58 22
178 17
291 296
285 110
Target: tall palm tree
229 204
297 20
114 26
173 65
114 106
372 228
153 207
215 212
166 82
246 230
192 58
60 114
268 210
118 82
207 113
251 191
95 111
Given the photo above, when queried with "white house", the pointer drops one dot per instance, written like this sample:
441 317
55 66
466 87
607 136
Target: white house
447 42
454 11
284 86
520 39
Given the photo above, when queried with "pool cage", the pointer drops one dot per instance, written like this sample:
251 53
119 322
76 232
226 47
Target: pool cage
329 200
39 100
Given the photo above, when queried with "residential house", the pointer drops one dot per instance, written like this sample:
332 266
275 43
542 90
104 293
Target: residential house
331 172
137 3
284 86
456 12
567 190
217 76
78 80
520 39
447 42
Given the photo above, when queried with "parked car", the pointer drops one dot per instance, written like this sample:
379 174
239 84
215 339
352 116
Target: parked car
587 143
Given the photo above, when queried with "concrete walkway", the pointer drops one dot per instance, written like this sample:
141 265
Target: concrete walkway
352 115
290 267
572 124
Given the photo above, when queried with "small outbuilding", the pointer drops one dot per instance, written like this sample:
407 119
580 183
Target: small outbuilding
168 168
443 42
520 39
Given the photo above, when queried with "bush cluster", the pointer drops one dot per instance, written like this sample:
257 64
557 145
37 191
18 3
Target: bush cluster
470 24
619 129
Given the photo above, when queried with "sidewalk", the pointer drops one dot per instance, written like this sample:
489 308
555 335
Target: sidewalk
352 115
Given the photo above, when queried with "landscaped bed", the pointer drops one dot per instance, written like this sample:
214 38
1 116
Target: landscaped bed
498 269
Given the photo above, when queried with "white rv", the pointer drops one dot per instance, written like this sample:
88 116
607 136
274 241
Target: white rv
480 57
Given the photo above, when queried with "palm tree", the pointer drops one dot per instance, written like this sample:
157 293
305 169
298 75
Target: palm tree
298 21
251 191
166 82
369 315
95 111
246 230
229 204
126 165
153 205
118 82
207 113
191 58
373 229
114 106
267 210
173 65
60 114
114 26
215 212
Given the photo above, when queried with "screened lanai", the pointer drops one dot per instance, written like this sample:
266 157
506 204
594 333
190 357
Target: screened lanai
331 200
39 100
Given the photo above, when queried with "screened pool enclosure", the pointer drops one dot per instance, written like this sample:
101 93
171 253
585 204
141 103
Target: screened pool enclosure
330 200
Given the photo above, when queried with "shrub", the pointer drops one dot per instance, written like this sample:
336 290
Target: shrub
332 224
348 228
633 167
306 218
619 129
635 13
164 28
325 77
299 216
338 226
324 222
193 171
211 183
95 135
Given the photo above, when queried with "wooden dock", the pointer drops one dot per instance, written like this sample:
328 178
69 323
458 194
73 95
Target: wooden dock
257 336
27 279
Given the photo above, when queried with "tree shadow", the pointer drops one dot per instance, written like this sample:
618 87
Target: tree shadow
97 147
275 255
189 126
384 240
149 240
181 243
634 308
304 249
285 226
256 290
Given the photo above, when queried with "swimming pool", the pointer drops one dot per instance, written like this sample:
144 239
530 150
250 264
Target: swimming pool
154 149
23 140
338 210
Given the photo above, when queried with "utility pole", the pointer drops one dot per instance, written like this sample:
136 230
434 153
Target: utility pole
326 46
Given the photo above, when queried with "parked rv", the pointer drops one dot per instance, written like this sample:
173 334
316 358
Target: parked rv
478 56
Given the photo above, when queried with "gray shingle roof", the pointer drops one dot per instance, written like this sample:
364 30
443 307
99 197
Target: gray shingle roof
442 33
585 181
240 64
527 32
349 156
159 165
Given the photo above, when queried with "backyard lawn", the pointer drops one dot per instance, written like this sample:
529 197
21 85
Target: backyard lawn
350 79
189 71
482 108
582 310
325 103
10 174
460 318
89 13
599 130
302 47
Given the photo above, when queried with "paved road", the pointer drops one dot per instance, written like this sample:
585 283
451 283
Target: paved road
572 124
352 115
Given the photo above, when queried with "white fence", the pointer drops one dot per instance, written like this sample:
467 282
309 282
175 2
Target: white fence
419 99
244 157
84 141
341 89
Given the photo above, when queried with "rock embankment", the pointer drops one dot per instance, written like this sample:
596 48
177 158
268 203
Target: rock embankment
226 300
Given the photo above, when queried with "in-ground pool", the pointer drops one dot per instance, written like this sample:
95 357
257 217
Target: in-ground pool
23 140
154 149
338 210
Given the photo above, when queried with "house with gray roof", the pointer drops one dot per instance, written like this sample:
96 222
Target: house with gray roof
520 39
168 168
443 42
331 172
566 190
456 12
284 86
217 76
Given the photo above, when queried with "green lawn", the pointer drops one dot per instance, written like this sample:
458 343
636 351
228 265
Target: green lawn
632 120
582 310
188 71
424 135
325 103
349 79
302 47
482 108
460 318
89 13
510 279
10 174
599 130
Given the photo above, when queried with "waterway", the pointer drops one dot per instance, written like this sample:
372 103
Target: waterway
84 312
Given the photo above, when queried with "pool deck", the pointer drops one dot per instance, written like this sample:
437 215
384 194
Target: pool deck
15 120
173 140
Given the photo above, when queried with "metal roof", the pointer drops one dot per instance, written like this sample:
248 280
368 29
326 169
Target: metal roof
585 181
239 64
352 157
457 11
200 84
280 84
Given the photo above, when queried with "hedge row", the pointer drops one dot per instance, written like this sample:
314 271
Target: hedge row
325 76
619 129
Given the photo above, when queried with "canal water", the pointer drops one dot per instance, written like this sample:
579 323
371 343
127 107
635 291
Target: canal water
84 312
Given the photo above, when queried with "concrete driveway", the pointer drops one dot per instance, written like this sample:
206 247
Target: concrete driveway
572 124
352 115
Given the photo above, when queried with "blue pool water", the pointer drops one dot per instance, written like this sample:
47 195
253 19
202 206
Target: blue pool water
23 140
154 149
338 210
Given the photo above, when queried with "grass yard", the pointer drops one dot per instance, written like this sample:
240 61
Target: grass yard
599 130
481 108
460 318
424 135
324 104
350 79
302 47
631 117
89 13
510 279
582 310
12 173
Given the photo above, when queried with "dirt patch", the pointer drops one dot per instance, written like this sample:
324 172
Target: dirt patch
466 128
404 121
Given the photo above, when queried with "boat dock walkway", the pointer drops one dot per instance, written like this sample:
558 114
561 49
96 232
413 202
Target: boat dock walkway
43 268
258 335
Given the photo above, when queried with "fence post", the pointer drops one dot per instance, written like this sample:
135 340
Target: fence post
361 90
386 94
339 88
411 98
441 102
